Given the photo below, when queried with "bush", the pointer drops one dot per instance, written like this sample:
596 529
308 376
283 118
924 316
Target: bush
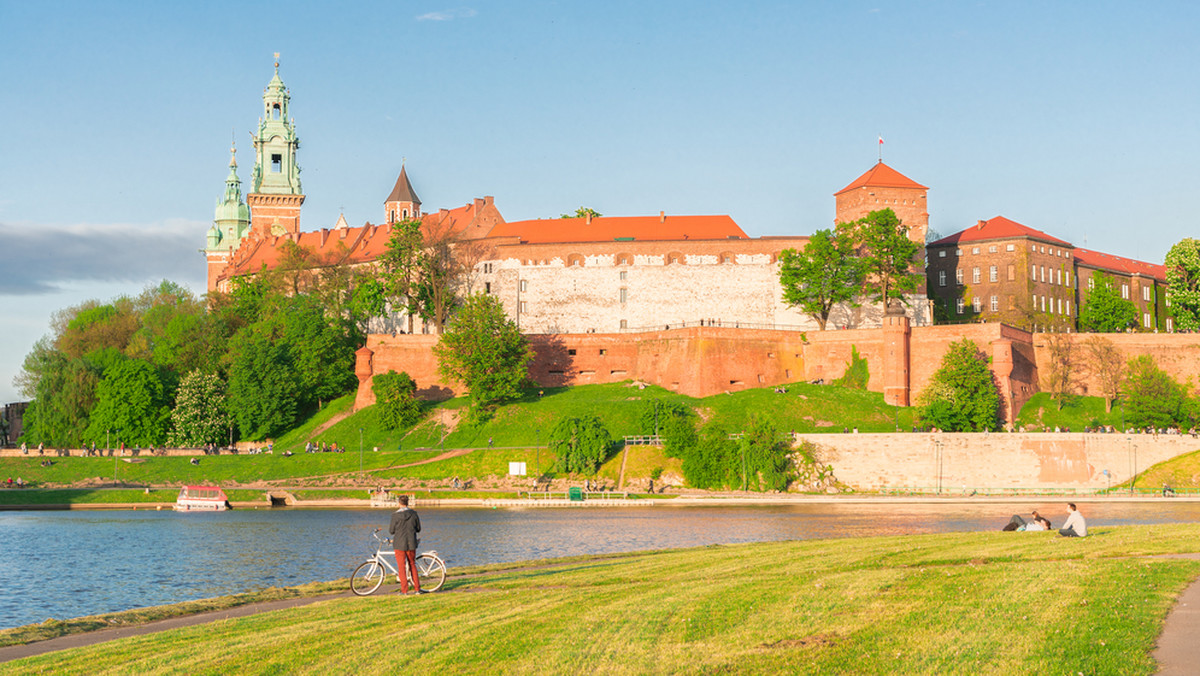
962 395
395 397
581 444
857 375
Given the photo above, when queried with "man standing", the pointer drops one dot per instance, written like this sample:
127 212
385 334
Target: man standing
404 528
1075 527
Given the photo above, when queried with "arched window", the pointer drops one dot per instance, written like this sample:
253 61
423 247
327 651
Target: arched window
275 111
675 258
726 258
574 260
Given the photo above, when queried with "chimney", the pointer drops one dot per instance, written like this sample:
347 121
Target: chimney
662 217
588 219
980 224
479 203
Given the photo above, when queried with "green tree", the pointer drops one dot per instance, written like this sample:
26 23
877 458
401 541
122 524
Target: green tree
200 415
63 391
1183 284
132 403
1105 311
581 444
401 266
583 212
264 393
1059 376
766 457
857 374
885 253
678 432
822 275
655 414
396 400
1153 398
483 350
714 461
962 395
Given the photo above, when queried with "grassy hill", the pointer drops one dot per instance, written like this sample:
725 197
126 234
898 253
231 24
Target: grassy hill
1041 413
963 603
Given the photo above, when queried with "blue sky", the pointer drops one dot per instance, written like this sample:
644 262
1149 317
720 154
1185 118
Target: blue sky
1077 118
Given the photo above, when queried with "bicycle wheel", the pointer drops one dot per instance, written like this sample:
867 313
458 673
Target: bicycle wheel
432 572
367 578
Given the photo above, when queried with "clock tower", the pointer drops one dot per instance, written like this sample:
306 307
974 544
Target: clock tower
275 195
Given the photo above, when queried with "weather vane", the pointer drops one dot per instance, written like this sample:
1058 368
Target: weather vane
276 60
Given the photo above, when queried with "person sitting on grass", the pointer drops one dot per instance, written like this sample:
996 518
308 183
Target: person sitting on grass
1076 526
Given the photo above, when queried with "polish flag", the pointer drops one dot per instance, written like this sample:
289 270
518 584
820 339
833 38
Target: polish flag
880 140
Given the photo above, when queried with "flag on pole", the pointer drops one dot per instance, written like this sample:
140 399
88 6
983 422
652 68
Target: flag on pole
881 140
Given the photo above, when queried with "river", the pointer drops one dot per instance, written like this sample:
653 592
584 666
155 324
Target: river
70 564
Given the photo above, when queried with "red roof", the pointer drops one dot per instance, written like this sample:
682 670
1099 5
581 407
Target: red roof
882 176
609 228
998 228
1121 264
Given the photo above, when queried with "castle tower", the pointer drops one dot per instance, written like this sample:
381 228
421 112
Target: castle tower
402 204
882 187
275 196
231 223
897 333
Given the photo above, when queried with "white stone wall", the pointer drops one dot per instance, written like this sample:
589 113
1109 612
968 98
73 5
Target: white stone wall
561 298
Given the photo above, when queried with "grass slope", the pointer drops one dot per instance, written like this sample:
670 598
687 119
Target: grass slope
975 603
1041 413
513 433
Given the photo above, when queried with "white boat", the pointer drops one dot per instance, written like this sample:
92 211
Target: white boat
383 498
201 499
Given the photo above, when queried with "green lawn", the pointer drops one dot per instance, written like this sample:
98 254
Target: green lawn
1041 412
972 603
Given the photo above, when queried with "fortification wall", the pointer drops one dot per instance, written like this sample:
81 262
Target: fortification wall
1176 353
958 462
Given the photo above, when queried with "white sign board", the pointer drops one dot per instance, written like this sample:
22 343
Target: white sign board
516 469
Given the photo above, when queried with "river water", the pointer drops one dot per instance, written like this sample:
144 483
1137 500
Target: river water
70 564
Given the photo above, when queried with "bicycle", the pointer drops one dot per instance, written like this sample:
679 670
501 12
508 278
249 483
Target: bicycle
369 575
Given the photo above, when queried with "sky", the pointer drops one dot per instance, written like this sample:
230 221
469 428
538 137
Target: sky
116 119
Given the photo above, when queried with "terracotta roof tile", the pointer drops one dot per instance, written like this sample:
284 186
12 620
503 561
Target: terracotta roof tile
1127 266
998 228
882 176
609 228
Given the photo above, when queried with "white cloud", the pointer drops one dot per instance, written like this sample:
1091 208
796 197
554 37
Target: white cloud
448 15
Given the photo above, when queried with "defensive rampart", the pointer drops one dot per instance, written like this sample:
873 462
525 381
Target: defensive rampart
987 462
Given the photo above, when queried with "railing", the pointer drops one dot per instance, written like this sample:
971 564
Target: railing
646 440
565 495
1114 491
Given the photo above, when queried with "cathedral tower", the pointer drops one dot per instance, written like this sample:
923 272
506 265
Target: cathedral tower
403 203
275 196
231 223
882 187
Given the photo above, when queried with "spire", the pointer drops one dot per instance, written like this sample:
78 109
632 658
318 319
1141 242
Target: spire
403 191
233 184
232 215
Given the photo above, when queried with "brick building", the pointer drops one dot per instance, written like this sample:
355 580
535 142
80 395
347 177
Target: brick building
1002 271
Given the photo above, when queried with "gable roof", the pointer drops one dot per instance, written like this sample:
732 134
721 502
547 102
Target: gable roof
1120 264
403 191
998 228
882 176
609 228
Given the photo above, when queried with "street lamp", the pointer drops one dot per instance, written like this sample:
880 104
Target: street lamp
360 450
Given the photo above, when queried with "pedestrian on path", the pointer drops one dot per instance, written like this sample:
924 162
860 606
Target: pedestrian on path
404 528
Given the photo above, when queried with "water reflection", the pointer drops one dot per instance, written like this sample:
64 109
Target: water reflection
69 564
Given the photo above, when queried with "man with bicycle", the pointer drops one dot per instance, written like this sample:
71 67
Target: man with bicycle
404 527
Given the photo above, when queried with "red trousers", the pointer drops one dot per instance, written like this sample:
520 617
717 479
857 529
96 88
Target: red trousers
407 559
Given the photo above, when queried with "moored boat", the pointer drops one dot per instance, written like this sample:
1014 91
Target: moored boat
201 499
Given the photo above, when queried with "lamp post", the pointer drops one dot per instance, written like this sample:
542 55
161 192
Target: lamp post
1129 459
360 450
537 452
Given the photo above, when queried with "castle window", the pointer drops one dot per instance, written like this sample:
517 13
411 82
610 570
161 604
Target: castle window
487 287
958 305
995 303
276 163
1170 325
1146 293
941 278
726 258
975 276
991 249
571 352
994 274
603 352
975 306
1060 306
392 216
404 214
1125 291
624 324
624 295
958 252
1146 320
524 307
624 275
942 253
1068 307
975 251
1010 247
1091 283
1068 278
958 276
524 285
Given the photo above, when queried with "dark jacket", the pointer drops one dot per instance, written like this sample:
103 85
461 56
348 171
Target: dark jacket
404 528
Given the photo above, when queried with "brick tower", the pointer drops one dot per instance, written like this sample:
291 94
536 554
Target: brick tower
275 196
882 187
403 203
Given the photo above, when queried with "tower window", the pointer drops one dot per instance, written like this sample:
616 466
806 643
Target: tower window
276 163
275 111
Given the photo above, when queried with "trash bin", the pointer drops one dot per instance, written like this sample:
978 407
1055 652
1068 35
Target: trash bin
575 494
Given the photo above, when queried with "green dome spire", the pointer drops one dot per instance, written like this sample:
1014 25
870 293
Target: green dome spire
232 207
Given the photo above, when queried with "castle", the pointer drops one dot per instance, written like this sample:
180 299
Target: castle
689 302
572 275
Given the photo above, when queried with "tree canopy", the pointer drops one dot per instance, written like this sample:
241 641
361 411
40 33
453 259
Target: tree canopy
822 275
962 395
885 253
484 351
1105 311
1153 398
581 444
1183 284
